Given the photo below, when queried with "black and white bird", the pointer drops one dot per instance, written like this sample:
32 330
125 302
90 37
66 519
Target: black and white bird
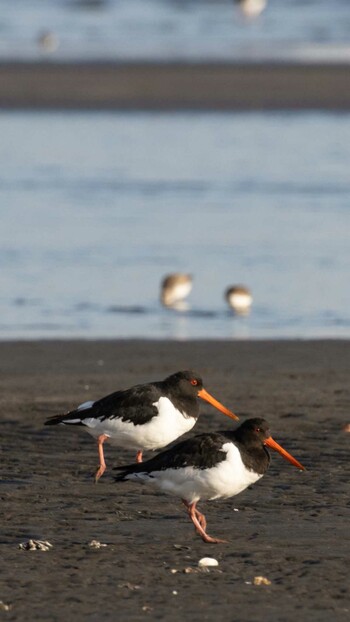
210 466
146 416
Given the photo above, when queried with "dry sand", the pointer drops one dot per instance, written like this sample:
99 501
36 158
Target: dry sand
291 527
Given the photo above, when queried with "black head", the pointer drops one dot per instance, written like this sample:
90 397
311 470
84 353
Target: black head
190 385
253 431
187 382
256 433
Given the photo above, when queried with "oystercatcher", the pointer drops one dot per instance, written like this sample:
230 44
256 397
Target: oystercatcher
146 416
210 466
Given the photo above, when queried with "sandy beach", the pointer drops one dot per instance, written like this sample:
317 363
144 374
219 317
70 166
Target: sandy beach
291 527
175 85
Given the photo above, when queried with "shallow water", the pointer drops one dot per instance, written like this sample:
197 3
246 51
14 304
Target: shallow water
97 207
169 29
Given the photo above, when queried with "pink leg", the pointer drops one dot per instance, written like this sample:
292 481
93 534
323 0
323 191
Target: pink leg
100 471
200 516
202 519
139 456
200 523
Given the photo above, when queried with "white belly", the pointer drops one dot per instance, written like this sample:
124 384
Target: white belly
228 478
240 302
161 430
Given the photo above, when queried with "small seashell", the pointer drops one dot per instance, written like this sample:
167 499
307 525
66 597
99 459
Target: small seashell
175 592
189 570
173 570
207 561
181 547
4 607
95 544
346 427
259 580
35 545
130 586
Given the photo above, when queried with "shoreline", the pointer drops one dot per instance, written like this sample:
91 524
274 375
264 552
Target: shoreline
169 86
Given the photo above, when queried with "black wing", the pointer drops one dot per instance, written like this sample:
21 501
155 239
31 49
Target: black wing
202 452
134 405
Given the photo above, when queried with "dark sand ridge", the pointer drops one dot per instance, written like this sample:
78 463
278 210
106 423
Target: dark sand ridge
173 85
291 527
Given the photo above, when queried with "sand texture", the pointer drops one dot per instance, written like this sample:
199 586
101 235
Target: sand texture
291 527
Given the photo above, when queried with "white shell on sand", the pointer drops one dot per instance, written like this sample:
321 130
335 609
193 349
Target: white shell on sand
35 545
205 562
95 544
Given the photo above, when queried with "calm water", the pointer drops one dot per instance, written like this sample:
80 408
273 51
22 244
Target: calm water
97 207
171 29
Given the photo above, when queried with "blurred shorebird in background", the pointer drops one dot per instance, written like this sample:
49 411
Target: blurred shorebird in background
239 299
48 41
87 4
174 288
251 8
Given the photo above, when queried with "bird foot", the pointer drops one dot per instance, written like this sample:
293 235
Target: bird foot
211 540
100 471
206 538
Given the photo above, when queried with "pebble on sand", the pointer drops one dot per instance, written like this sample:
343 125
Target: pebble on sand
260 580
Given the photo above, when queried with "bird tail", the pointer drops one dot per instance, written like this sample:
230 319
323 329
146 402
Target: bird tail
129 469
71 418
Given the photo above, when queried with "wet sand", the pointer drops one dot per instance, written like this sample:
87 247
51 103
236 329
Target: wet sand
290 527
175 86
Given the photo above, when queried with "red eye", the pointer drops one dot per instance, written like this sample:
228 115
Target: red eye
194 382
257 430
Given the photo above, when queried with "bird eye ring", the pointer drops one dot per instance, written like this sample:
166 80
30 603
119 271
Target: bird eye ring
194 382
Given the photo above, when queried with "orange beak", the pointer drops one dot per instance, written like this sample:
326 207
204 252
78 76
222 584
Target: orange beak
271 443
208 398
